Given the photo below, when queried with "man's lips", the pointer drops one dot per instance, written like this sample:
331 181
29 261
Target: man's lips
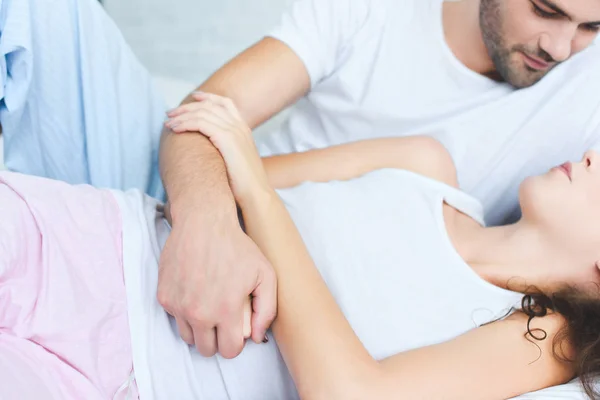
535 62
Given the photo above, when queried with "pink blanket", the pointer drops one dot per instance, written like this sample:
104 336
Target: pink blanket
64 331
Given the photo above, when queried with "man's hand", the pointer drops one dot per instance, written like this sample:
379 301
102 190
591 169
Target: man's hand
208 268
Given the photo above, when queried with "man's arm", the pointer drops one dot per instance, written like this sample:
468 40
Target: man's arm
261 82
209 266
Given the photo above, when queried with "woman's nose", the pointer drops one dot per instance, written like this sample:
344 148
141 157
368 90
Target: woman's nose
589 158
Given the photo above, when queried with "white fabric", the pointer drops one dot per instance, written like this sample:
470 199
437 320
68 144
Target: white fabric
163 363
126 387
381 245
382 68
570 391
164 366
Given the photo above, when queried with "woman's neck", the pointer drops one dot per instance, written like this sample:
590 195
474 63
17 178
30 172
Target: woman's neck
513 257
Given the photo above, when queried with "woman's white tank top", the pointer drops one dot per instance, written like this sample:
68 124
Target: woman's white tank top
381 244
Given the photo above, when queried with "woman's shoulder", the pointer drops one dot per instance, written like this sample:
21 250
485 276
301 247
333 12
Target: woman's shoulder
432 159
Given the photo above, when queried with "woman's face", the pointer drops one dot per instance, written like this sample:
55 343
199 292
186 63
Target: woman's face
565 204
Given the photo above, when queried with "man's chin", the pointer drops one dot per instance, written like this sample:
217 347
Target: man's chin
518 74
524 78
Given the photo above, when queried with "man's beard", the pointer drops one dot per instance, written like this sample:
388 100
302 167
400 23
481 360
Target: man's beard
513 72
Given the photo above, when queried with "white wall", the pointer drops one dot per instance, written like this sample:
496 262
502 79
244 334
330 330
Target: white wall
182 42
190 39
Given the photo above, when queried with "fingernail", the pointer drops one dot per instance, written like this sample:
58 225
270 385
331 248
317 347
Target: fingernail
266 339
174 125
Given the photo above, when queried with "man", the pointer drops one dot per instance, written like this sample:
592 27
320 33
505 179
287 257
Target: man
77 106
510 87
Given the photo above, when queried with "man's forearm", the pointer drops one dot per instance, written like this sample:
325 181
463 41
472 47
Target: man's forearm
194 175
261 81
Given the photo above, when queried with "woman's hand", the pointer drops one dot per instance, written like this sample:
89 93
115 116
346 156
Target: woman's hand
218 119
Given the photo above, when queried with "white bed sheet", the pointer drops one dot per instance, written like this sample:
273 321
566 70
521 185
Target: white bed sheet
570 391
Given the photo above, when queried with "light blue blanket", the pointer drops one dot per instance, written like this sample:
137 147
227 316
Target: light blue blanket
76 103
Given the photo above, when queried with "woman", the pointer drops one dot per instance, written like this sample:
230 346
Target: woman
551 255
406 272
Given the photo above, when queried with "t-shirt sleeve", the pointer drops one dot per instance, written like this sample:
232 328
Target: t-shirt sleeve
318 31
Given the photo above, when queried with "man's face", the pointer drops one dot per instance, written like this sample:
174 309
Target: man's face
527 38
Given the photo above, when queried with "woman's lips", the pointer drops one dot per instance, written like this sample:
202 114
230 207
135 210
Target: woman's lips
566 168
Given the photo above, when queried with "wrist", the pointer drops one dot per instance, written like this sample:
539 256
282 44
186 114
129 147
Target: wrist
257 198
212 208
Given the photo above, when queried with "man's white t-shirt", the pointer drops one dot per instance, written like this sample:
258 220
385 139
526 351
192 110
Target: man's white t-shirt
381 68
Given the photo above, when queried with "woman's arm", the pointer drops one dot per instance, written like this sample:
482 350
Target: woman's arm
316 341
496 361
420 154
328 361
324 355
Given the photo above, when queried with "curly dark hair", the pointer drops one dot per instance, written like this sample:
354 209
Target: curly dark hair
581 310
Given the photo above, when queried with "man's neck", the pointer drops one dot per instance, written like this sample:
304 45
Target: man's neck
463 36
